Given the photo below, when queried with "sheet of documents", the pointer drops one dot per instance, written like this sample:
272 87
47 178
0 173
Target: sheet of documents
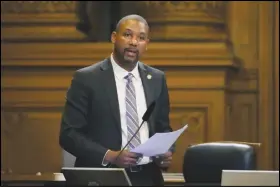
159 143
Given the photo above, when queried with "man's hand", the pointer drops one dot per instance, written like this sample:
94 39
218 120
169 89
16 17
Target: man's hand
164 160
124 160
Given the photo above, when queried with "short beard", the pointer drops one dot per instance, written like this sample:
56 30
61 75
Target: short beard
129 65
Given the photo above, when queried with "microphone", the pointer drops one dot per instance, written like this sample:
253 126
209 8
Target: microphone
145 118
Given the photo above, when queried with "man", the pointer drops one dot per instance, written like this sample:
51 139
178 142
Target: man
105 104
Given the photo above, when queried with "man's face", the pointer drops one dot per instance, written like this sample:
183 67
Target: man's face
130 41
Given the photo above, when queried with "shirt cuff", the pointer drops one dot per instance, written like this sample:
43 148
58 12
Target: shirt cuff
104 162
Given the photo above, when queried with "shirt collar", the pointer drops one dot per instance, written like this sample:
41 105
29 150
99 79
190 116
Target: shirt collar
120 72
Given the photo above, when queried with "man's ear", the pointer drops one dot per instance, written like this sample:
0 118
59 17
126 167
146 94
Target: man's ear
147 41
113 37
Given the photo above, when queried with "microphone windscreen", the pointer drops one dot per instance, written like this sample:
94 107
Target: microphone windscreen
149 111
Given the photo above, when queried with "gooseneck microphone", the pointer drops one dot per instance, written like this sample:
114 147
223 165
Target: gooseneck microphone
145 118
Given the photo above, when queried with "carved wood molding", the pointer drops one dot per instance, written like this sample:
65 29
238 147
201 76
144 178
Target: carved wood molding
244 81
23 7
4 125
186 9
19 106
11 120
202 55
265 97
242 116
18 20
183 20
193 114
196 116
14 118
41 33
25 21
58 80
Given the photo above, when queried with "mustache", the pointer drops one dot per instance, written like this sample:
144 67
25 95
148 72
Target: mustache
132 50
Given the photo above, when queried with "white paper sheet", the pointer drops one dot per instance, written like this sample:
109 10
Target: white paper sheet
159 143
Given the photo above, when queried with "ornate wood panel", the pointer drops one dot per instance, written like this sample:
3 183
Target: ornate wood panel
41 49
35 78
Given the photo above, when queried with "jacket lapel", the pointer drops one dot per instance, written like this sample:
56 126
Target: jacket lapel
109 84
108 80
147 81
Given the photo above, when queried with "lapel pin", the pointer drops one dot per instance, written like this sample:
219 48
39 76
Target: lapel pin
149 76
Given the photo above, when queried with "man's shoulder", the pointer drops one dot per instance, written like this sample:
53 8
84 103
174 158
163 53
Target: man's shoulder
91 68
153 70
89 73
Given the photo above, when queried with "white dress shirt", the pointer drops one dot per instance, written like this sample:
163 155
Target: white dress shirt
119 74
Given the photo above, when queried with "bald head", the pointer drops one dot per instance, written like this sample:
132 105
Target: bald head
132 17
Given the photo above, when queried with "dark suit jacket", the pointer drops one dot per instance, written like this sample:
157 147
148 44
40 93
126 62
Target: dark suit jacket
91 120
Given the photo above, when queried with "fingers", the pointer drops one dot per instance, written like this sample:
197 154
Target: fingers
165 163
125 163
168 158
137 156
164 156
132 155
164 160
130 161
168 154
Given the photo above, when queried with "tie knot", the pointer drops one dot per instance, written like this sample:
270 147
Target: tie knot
129 76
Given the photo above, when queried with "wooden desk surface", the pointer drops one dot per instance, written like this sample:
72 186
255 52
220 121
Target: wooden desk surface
169 178
30 177
173 177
